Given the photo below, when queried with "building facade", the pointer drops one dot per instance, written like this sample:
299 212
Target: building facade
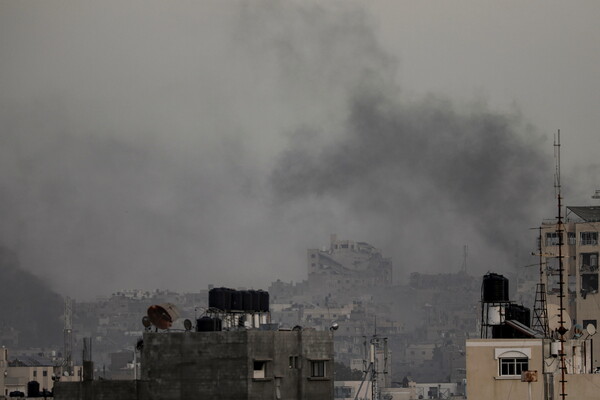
495 369
227 365
579 252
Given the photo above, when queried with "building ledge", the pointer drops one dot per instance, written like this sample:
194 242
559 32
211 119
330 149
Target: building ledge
507 378
261 379
318 378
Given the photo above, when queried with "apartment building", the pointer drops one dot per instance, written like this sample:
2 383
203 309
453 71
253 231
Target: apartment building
579 250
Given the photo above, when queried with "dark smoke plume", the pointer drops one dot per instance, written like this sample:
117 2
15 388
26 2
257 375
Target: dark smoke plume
28 305
437 174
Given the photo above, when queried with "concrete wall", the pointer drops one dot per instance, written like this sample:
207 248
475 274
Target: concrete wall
101 390
221 365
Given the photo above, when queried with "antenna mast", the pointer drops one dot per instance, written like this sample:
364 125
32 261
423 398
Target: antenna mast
559 230
68 336
540 311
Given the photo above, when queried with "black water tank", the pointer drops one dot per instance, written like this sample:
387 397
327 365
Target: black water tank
208 324
247 301
263 297
519 313
255 300
220 298
495 288
237 300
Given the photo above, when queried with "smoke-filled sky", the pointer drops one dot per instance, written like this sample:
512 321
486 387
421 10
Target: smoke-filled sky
148 144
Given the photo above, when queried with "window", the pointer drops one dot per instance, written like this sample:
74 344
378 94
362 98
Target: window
552 238
588 261
571 239
34 374
587 322
588 238
45 373
294 364
260 369
317 369
513 366
589 283
512 361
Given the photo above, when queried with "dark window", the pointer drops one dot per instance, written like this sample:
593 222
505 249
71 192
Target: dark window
45 373
587 322
34 374
317 369
313 255
293 363
589 283
588 238
571 239
588 261
513 366
260 369
344 246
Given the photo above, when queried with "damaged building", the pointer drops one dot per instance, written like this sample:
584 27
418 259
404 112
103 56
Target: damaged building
347 265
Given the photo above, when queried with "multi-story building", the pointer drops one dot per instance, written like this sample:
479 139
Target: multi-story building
579 252
495 369
30 375
237 364
348 266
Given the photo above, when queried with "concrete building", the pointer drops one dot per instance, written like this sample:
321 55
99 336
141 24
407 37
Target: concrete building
580 260
243 364
16 373
495 367
347 265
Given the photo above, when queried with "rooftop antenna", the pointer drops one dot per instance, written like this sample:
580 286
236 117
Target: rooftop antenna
559 230
540 310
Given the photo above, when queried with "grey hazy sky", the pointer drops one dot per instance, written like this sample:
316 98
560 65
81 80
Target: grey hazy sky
177 144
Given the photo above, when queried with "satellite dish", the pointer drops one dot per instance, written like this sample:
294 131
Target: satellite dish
163 315
591 329
187 324
554 318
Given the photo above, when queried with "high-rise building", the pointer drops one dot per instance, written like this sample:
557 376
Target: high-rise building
347 265
579 251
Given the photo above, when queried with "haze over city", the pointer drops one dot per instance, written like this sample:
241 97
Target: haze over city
176 145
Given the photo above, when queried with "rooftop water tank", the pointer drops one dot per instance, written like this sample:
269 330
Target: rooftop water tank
494 288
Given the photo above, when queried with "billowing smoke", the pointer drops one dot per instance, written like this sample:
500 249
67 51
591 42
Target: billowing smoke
146 144
439 176
31 313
